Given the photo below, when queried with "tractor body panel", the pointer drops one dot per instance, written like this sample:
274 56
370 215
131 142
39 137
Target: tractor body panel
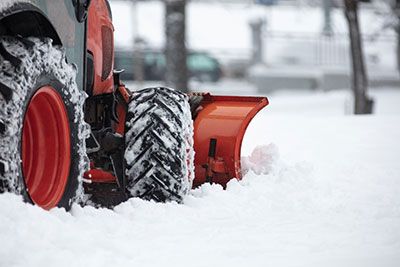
100 45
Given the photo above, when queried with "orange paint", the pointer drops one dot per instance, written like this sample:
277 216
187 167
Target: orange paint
99 23
99 176
224 118
46 147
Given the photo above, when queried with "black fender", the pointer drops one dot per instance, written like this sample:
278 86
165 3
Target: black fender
26 19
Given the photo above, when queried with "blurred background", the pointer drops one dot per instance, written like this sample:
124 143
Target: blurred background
256 47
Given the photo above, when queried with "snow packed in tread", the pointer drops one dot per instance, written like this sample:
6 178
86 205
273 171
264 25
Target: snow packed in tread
159 145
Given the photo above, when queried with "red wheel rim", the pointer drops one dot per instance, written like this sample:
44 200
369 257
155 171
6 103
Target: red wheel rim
46 150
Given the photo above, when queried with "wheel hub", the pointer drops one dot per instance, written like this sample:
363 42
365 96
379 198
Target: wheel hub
46 148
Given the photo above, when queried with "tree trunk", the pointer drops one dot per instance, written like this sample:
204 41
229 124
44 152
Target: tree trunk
362 104
396 11
327 7
176 74
398 48
256 26
138 60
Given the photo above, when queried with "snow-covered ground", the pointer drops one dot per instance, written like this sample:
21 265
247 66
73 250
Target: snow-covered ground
323 189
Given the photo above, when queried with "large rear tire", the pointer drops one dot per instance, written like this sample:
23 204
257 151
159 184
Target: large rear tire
159 145
42 130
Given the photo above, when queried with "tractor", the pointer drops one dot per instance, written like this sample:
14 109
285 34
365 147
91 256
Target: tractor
71 132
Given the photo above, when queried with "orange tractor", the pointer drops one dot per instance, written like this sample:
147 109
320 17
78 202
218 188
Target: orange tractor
70 131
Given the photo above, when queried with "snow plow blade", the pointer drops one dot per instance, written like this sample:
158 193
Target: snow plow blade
219 128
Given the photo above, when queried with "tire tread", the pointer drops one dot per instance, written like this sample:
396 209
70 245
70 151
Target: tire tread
158 170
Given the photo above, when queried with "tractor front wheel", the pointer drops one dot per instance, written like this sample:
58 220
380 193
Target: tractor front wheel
159 145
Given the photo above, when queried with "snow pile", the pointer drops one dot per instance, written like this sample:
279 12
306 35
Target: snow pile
261 160
328 194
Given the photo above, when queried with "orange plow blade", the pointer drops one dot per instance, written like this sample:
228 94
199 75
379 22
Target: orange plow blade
219 128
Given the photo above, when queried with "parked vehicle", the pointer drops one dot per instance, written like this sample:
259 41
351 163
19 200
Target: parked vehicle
201 66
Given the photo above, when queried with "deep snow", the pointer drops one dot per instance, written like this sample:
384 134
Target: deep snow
328 195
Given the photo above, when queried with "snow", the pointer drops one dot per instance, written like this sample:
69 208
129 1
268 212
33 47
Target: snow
326 193
5 4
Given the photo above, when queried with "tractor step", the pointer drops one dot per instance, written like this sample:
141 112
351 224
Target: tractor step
105 194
